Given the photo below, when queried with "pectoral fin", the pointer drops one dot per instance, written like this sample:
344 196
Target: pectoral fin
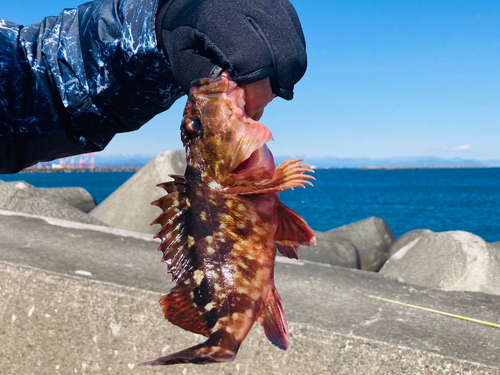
288 175
272 319
289 251
291 231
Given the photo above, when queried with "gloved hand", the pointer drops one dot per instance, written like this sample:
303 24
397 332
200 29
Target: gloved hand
250 39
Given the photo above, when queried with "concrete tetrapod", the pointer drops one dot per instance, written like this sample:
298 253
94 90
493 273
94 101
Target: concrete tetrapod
450 261
372 238
331 250
129 207
75 196
406 239
19 196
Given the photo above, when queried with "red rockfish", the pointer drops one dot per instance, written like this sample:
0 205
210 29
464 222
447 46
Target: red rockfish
222 223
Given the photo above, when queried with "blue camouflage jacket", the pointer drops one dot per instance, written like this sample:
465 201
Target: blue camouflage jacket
71 82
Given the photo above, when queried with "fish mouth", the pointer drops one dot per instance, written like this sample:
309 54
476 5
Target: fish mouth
247 149
246 138
260 164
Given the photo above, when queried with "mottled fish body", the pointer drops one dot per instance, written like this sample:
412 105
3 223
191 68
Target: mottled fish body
222 223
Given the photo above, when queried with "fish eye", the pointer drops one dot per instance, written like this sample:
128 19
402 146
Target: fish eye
193 126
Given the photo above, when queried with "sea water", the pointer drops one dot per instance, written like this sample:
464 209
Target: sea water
407 199
435 199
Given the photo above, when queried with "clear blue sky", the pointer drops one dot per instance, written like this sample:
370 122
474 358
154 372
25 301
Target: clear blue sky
385 78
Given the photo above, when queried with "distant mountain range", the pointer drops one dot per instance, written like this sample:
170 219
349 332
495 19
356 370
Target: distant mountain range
422 161
121 160
323 162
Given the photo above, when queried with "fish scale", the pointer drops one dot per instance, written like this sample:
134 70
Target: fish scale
222 224
236 250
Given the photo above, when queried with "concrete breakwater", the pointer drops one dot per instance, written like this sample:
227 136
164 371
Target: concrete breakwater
80 293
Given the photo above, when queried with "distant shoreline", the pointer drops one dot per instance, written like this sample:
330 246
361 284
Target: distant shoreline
81 170
135 169
430 167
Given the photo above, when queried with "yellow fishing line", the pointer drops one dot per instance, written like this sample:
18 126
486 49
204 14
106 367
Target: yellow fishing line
437 311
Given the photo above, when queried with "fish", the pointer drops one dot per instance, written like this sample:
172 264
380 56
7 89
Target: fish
222 224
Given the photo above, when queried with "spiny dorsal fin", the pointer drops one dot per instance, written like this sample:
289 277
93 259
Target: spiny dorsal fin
272 319
173 233
179 182
291 230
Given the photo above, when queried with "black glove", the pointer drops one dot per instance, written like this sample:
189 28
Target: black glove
250 39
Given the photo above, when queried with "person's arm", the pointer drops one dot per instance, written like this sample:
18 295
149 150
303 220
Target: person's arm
71 82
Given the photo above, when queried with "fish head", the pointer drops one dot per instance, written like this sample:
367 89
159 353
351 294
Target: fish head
221 141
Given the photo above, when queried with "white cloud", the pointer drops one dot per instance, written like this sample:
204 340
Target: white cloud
462 148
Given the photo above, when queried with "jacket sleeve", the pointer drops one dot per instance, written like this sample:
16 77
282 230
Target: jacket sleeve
71 82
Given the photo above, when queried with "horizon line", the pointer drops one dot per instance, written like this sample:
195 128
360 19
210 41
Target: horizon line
319 157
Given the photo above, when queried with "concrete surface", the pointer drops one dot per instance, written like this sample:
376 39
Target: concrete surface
129 207
107 319
22 197
372 238
328 250
448 260
406 239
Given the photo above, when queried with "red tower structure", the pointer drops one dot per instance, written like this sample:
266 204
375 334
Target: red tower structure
68 162
86 161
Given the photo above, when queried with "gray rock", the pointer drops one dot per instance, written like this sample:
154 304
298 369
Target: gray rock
129 207
495 245
372 237
20 196
76 196
407 238
328 250
457 260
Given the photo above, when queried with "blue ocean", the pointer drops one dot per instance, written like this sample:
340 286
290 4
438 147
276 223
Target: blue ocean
407 199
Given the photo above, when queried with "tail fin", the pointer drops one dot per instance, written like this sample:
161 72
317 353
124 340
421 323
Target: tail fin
199 354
